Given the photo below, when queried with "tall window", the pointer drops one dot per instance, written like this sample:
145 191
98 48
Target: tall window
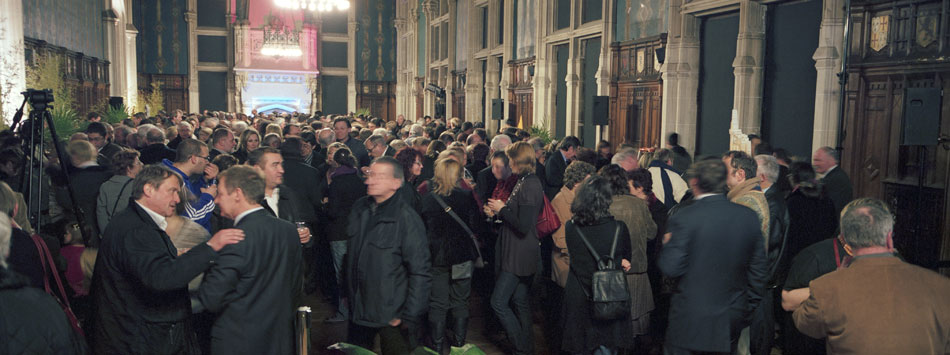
562 14
592 10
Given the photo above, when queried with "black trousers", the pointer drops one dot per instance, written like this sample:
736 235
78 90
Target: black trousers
448 295
392 340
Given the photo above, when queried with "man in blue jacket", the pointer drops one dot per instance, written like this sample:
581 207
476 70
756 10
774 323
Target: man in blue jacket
193 164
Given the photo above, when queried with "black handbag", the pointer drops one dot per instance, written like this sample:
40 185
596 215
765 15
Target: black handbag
609 296
478 262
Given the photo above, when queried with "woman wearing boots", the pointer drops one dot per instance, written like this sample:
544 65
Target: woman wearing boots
452 250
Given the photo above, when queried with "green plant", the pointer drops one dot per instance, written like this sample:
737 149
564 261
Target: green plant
48 74
541 132
115 115
151 101
363 111
66 122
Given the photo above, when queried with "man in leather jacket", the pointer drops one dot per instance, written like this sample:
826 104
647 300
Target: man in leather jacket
387 267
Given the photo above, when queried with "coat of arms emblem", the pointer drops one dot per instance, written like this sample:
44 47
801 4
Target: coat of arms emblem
879 30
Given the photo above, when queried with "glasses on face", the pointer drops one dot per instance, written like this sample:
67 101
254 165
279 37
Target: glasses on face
208 158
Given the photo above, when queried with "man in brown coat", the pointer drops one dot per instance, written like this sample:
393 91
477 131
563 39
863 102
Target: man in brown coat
878 304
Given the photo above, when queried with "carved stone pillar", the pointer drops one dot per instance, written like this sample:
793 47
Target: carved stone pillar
351 58
316 95
240 82
191 17
827 63
749 66
13 66
114 37
573 97
131 91
681 77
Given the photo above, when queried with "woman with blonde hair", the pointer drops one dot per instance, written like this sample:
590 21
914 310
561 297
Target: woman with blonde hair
250 140
449 210
517 251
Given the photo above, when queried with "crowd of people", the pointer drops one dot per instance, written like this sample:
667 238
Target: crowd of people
203 233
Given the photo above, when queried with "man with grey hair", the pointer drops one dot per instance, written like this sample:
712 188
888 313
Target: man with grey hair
878 304
762 329
416 130
185 131
140 283
836 181
627 159
500 143
668 186
156 150
377 147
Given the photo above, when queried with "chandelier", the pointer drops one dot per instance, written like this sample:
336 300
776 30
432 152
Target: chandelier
314 5
281 42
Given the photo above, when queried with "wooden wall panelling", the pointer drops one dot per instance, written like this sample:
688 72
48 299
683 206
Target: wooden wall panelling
636 92
174 89
458 94
86 77
520 92
909 52
379 97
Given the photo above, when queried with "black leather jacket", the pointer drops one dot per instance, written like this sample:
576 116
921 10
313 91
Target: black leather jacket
387 266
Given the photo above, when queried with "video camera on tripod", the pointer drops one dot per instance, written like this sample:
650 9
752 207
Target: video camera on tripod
31 134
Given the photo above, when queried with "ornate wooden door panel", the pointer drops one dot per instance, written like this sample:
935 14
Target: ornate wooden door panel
636 93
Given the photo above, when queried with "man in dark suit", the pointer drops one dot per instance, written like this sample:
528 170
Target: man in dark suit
140 284
298 175
156 150
85 178
98 136
762 329
715 248
185 131
377 147
310 150
222 142
281 200
253 286
836 181
876 303
556 163
341 130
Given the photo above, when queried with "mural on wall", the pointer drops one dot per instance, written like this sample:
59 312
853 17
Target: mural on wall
376 61
162 42
640 19
526 25
75 25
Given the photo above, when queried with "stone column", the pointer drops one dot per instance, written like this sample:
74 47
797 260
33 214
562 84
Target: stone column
354 26
574 86
828 63
191 17
316 96
508 53
400 23
240 81
114 46
492 91
606 60
431 10
681 77
131 91
541 83
749 66
13 66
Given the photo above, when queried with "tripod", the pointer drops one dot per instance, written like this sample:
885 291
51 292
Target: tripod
31 133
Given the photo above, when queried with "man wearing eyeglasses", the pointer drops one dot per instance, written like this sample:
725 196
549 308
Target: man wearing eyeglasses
193 163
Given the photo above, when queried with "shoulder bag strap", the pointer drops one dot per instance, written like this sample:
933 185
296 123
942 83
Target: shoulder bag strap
119 198
616 236
587 243
458 220
59 282
39 251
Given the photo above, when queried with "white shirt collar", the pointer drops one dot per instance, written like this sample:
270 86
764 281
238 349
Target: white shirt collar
822 176
159 219
88 164
700 197
245 213
272 199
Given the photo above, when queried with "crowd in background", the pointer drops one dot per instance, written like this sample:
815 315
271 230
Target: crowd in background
398 224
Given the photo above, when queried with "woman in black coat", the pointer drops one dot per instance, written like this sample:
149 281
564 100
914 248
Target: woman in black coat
517 254
582 334
811 213
345 187
449 244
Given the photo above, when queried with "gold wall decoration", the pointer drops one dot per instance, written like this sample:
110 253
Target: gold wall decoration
880 26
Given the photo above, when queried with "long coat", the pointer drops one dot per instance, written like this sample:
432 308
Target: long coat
252 288
635 214
140 288
716 251
582 333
